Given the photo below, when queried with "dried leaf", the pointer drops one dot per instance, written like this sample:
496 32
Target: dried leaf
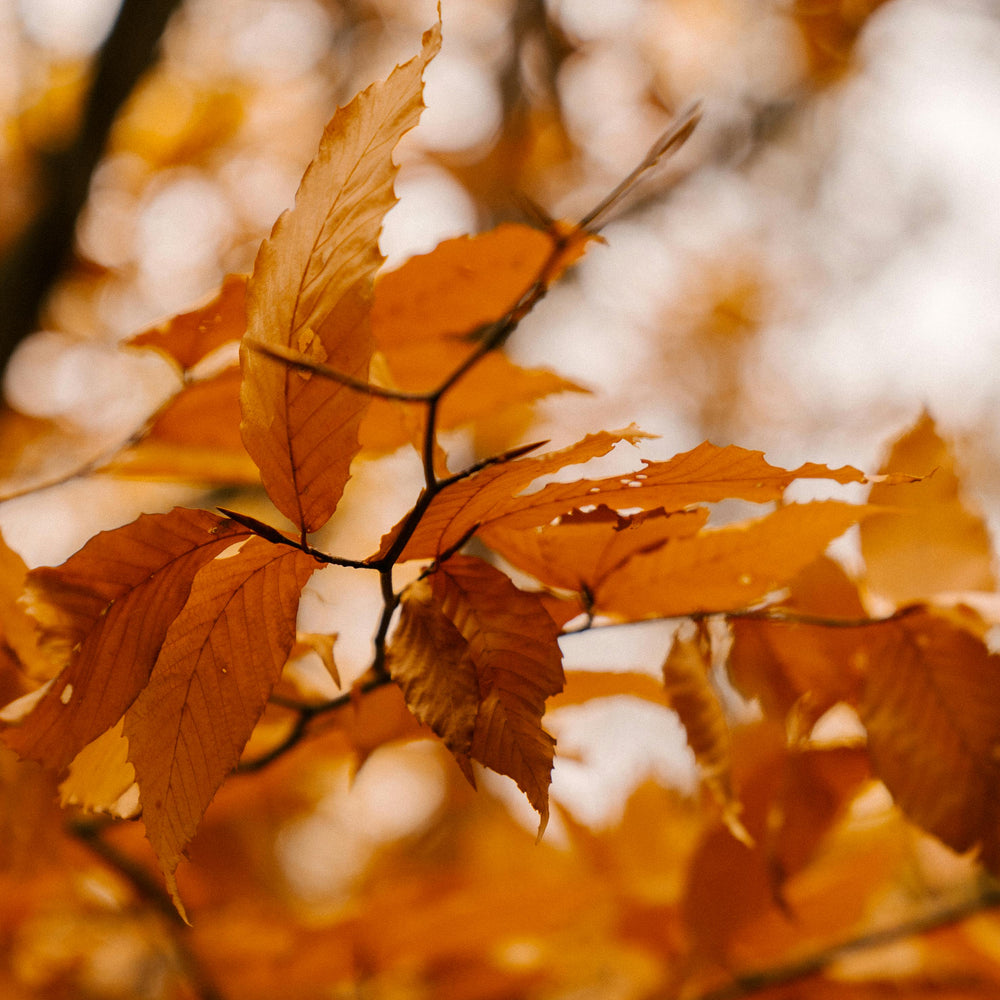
430 660
104 613
222 655
311 291
18 630
726 568
694 699
929 703
512 643
928 541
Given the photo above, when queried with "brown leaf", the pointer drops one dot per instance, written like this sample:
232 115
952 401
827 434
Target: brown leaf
430 660
697 704
104 613
191 336
311 291
930 542
222 655
583 547
726 568
488 494
799 671
512 643
930 705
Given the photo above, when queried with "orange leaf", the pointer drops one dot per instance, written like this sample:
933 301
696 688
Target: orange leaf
583 547
105 613
930 705
193 335
195 438
18 630
725 568
931 542
692 697
512 643
705 474
220 659
430 660
486 495
311 291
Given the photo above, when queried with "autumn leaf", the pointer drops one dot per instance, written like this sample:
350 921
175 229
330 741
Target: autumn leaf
18 630
192 336
430 660
929 702
697 704
501 661
220 658
725 568
101 779
311 291
194 438
104 614
705 474
799 670
486 495
581 548
928 541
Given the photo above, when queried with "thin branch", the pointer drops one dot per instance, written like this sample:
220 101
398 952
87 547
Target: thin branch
755 981
671 140
302 362
88 831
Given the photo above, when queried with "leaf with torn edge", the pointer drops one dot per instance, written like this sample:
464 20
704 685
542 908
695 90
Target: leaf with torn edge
311 291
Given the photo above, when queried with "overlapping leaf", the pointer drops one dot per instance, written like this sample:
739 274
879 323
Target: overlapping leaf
485 496
105 613
219 660
500 661
726 568
311 291
931 707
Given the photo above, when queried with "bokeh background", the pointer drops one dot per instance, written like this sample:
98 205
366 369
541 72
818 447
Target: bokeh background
818 264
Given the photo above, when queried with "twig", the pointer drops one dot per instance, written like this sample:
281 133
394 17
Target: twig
755 981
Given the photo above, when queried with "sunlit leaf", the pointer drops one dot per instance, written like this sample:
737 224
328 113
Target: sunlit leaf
311 291
220 658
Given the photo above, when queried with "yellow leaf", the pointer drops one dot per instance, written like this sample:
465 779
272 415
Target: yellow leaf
931 542
313 279
101 779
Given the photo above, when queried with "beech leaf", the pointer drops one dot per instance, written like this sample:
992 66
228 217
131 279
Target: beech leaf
219 661
725 568
311 291
512 643
113 601
929 703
